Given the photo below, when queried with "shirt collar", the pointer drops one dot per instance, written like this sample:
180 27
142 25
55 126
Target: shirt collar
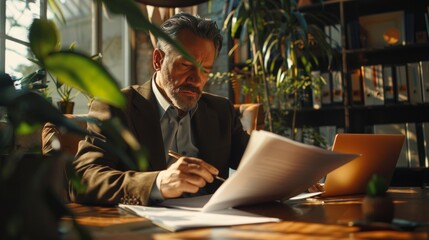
163 103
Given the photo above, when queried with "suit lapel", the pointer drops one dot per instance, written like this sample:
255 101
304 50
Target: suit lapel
206 131
145 120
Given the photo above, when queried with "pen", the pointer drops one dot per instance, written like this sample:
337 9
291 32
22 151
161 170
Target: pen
323 201
177 156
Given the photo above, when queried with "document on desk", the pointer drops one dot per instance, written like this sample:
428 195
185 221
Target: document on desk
178 219
272 168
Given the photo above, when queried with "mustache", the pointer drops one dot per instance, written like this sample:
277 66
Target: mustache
189 87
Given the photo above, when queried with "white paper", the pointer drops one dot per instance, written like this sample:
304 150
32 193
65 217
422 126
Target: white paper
272 168
176 219
304 196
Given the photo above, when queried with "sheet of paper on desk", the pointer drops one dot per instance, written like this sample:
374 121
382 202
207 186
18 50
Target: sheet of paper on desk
272 168
176 219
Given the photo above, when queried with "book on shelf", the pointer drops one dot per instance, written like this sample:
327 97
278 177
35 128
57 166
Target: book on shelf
399 128
412 147
414 83
373 85
356 86
426 143
337 87
326 90
401 83
388 86
316 94
424 66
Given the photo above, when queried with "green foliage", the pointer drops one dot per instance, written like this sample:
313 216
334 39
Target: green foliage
377 186
70 67
285 47
34 81
44 38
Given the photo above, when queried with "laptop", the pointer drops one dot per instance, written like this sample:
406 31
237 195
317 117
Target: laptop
379 154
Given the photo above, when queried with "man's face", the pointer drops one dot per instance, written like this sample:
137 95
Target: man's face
178 79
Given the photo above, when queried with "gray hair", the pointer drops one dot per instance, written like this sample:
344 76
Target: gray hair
204 28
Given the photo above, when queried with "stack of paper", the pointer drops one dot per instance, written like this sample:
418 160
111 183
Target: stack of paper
177 219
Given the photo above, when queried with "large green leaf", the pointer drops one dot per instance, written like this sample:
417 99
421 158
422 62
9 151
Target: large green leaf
121 138
44 38
85 74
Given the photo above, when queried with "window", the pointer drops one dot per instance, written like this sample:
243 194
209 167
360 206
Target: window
16 17
87 25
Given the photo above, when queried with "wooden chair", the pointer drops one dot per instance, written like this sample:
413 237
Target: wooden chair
251 116
68 142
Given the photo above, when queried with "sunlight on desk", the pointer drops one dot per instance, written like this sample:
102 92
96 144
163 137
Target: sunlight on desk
301 222
283 230
402 190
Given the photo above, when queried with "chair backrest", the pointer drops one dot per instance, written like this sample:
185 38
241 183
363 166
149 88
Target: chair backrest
68 141
251 116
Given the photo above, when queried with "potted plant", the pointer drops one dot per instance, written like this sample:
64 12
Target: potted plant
282 41
65 104
377 205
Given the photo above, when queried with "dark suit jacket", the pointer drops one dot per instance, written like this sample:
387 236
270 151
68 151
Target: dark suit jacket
219 135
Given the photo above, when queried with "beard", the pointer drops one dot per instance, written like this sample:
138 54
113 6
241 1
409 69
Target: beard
183 101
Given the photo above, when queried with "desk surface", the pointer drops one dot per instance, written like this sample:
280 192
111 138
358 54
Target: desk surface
302 220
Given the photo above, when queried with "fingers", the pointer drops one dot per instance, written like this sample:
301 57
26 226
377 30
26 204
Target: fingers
195 166
186 175
207 167
173 187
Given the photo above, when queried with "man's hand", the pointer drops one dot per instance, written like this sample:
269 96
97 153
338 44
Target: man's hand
187 174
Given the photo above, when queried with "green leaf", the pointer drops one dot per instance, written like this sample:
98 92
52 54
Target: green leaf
120 139
44 38
377 186
85 74
56 9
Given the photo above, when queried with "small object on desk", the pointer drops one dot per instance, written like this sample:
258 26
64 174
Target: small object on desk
377 204
177 156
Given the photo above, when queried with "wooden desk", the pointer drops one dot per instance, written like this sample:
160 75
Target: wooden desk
300 221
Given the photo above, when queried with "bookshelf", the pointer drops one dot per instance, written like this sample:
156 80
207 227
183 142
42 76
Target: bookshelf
367 28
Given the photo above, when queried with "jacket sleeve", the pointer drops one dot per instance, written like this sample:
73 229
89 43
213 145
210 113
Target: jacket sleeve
107 179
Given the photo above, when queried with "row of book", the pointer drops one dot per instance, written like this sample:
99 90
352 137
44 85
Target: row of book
415 151
376 85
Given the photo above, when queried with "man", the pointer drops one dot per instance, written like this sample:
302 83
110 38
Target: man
170 112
